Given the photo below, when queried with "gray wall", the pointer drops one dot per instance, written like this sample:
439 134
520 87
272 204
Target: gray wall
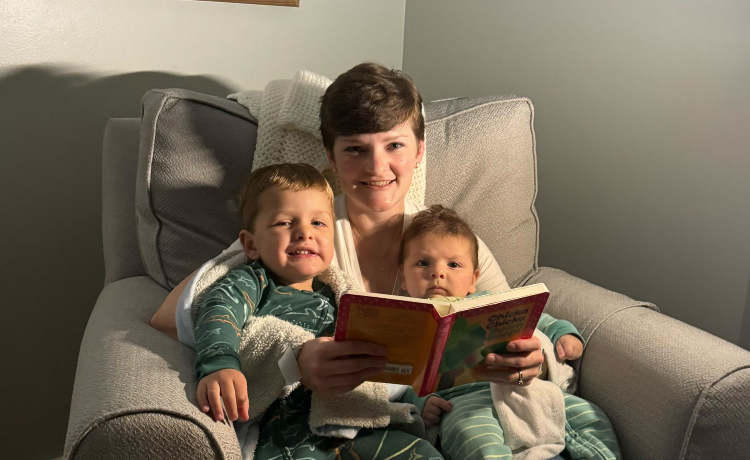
67 67
643 135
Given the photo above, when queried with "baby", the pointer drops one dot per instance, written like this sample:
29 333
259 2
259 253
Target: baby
438 259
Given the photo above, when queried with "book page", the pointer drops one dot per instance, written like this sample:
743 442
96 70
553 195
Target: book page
479 331
498 297
407 329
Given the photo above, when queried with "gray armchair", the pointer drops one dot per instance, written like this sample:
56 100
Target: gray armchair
169 180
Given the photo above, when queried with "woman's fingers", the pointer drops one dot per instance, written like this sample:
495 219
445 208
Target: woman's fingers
341 383
353 365
525 353
517 360
506 374
530 344
326 365
350 348
353 379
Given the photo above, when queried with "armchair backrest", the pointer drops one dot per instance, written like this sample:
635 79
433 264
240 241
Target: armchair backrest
195 150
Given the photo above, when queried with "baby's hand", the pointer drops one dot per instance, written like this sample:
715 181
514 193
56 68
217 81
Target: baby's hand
229 385
568 347
433 409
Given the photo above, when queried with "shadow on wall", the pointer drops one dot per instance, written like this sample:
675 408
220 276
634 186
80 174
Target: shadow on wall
51 132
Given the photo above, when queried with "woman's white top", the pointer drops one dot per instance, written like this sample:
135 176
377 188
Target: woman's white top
491 277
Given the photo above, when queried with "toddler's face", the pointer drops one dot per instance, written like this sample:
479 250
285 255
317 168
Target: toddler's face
293 235
438 266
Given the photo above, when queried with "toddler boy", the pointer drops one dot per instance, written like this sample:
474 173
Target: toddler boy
287 218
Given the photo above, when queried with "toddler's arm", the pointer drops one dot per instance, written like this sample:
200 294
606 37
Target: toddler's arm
218 318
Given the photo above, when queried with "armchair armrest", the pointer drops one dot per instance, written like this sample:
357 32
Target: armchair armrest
670 390
135 390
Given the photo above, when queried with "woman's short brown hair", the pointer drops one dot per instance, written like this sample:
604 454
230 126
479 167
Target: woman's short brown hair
440 221
369 98
284 176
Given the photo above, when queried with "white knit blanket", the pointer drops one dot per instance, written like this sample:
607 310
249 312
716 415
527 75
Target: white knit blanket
288 114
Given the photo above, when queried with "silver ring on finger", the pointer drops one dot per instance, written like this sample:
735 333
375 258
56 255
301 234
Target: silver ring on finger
520 377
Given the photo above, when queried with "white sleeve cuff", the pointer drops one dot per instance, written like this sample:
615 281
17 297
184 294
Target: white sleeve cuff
183 320
289 367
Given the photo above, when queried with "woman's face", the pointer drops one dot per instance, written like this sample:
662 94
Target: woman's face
376 169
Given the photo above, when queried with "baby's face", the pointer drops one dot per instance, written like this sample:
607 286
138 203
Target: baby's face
439 266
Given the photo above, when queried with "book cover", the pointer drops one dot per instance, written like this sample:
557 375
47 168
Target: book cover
433 344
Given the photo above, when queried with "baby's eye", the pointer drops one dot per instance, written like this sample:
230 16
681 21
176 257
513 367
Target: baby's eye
422 263
454 265
319 223
283 223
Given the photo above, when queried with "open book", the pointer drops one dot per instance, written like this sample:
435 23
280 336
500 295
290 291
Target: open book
434 344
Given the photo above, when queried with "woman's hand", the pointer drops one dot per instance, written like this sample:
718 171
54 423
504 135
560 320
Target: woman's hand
332 368
525 356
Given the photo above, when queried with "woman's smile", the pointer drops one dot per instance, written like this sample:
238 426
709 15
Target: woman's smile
376 169
378 184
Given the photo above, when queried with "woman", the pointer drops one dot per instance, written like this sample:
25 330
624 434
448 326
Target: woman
373 131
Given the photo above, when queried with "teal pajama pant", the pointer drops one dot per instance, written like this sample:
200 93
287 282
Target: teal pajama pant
471 430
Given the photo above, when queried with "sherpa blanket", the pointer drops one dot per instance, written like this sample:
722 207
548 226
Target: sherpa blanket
532 417
265 339
288 114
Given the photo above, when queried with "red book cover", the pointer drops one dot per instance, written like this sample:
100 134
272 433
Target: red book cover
434 344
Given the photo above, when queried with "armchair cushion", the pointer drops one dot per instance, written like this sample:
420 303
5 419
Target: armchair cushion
481 161
195 151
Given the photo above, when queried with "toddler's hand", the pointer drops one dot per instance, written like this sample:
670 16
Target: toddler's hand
433 410
568 347
229 385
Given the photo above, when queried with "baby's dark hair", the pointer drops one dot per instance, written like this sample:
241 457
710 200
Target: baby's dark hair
440 221
369 98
